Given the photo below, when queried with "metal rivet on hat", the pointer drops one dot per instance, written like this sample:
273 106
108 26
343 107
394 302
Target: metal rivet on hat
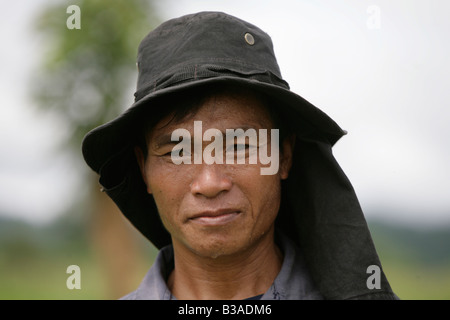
249 39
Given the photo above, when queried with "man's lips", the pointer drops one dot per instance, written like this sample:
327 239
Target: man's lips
215 217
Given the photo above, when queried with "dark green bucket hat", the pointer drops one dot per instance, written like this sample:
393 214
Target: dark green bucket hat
197 50
319 209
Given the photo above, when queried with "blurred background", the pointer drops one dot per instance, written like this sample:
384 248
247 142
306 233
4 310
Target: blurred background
380 68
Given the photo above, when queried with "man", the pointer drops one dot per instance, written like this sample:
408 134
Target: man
231 174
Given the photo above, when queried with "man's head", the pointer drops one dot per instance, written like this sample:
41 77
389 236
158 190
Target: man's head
215 209
177 63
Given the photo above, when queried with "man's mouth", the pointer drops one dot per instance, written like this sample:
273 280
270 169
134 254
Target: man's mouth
215 217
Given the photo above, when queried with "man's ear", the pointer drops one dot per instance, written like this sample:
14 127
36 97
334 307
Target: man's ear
141 162
286 156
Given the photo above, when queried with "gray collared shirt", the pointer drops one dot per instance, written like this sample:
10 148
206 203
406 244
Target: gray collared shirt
292 283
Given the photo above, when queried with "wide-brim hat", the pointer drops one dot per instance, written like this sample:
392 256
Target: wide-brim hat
319 209
198 50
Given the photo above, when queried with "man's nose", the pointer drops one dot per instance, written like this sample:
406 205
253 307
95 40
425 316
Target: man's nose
211 180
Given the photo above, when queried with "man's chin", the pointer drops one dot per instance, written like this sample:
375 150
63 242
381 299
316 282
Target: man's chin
214 246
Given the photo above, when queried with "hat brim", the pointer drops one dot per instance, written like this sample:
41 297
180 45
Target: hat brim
109 139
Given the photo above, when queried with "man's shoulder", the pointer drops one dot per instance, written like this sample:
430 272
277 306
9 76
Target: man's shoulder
130 296
153 286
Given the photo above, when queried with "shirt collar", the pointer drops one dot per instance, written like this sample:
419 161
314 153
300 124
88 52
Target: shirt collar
292 283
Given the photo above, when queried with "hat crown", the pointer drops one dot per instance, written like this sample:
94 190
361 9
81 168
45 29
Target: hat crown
204 45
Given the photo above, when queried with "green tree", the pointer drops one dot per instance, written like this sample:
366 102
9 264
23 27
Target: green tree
86 78
88 73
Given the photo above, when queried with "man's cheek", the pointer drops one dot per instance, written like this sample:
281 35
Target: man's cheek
167 223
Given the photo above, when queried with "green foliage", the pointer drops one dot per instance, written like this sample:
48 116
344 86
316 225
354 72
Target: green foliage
88 74
425 247
85 78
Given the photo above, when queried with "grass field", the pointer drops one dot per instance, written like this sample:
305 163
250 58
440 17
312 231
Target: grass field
43 276
415 282
30 269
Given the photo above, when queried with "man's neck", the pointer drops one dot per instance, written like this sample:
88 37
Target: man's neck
243 275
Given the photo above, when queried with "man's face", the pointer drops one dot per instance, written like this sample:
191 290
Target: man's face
214 209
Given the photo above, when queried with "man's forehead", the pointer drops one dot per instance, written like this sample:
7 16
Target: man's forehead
221 112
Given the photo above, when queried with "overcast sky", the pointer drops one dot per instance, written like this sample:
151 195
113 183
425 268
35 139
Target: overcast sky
380 69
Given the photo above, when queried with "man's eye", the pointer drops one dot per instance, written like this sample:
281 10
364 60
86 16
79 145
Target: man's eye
238 147
178 153
169 153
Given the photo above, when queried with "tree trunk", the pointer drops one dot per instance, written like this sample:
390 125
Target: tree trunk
116 245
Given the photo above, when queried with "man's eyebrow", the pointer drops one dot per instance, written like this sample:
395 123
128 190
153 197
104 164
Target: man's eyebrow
166 138
245 128
163 140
